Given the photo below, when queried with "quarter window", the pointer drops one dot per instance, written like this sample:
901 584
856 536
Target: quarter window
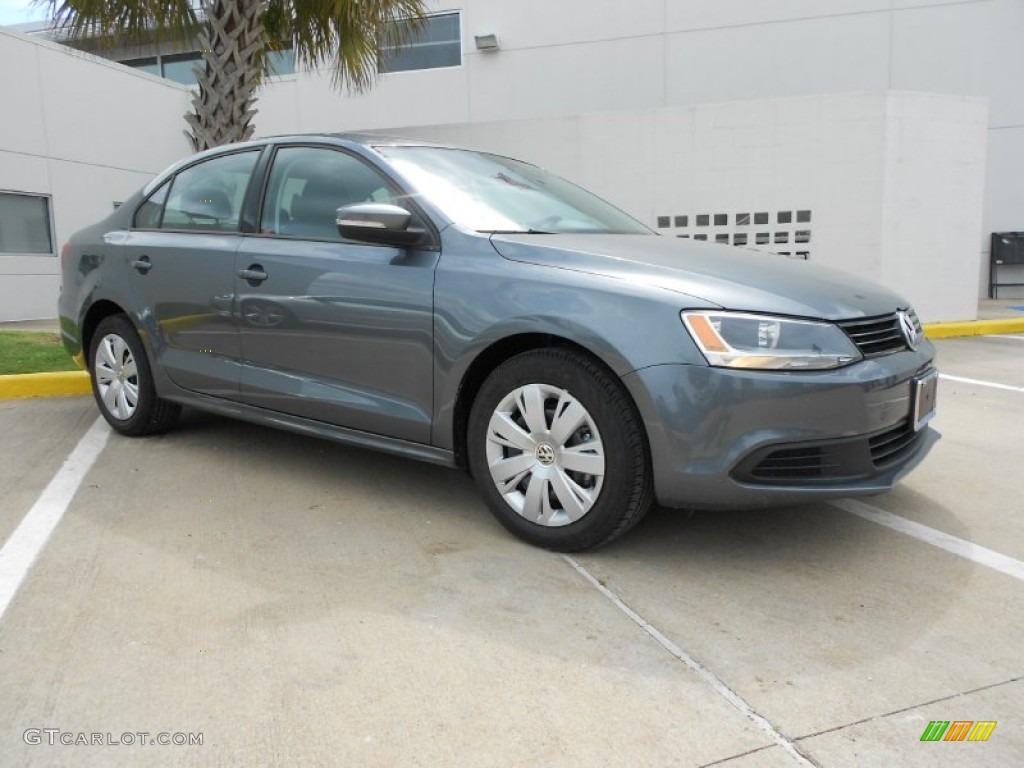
438 43
209 195
25 224
149 213
307 185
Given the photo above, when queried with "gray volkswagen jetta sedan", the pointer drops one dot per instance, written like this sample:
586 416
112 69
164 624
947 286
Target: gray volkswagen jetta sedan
477 311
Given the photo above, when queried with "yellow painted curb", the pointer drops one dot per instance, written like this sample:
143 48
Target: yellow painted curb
23 385
974 328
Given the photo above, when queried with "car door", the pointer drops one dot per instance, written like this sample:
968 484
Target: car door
334 330
181 257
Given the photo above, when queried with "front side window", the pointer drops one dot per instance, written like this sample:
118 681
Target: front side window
308 184
438 43
25 224
209 195
489 193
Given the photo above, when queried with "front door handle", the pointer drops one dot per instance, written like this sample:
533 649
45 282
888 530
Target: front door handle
254 274
142 264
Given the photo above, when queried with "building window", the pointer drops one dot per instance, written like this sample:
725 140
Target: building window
149 65
281 62
25 224
437 44
179 66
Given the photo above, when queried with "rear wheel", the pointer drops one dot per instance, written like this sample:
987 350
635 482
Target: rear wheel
122 381
555 447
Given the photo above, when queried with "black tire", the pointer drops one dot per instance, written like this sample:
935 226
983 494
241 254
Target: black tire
560 381
125 395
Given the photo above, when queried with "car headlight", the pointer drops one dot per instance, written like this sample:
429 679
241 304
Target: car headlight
739 340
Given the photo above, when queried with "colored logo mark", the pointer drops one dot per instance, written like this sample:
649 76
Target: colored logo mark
958 730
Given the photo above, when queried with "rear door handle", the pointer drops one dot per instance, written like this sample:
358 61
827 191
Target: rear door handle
142 264
254 274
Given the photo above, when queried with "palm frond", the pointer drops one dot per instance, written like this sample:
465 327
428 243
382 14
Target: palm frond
347 35
122 22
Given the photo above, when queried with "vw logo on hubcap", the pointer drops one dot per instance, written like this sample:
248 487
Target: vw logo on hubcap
909 331
545 454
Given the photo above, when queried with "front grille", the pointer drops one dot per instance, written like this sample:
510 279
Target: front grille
820 462
892 445
876 336
795 463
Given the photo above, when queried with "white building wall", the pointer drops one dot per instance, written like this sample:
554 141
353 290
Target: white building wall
932 199
84 132
88 132
893 181
569 57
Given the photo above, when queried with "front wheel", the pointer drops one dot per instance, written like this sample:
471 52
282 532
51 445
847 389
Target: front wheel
122 382
555 447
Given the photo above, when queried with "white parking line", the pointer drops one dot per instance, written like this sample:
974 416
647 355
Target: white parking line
1004 336
980 383
23 547
957 546
695 666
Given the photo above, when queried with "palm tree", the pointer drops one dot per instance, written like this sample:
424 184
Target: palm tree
236 36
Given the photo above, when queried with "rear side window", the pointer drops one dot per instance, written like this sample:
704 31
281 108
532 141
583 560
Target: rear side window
206 196
308 184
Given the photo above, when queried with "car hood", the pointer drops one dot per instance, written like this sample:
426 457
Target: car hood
729 277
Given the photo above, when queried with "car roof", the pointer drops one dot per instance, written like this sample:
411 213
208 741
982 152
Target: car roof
364 139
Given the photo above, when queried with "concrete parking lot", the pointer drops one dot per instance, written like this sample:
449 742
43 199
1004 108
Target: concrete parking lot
294 602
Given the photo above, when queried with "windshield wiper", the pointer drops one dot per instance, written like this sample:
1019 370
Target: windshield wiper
515 232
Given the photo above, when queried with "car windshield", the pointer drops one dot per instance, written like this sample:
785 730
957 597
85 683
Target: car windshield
489 193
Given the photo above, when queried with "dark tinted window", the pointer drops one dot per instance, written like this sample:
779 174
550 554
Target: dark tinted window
209 195
308 184
438 43
25 224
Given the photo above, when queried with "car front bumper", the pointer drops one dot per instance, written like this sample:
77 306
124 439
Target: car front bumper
723 438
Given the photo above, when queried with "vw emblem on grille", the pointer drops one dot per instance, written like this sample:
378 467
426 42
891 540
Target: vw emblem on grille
909 331
545 454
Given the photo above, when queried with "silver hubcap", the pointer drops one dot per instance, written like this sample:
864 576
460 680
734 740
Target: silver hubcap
545 454
117 377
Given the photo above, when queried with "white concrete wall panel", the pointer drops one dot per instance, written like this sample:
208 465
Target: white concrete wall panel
22 128
616 74
1004 207
101 113
308 102
933 198
893 180
551 23
711 14
972 48
814 55
83 131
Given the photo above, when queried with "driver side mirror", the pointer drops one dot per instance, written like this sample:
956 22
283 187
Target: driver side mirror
379 223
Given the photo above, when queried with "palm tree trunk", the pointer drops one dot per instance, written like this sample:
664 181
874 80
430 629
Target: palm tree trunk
232 41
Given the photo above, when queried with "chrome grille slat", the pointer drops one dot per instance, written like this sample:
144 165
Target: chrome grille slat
876 336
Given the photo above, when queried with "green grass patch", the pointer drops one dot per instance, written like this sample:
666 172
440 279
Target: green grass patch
33 352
